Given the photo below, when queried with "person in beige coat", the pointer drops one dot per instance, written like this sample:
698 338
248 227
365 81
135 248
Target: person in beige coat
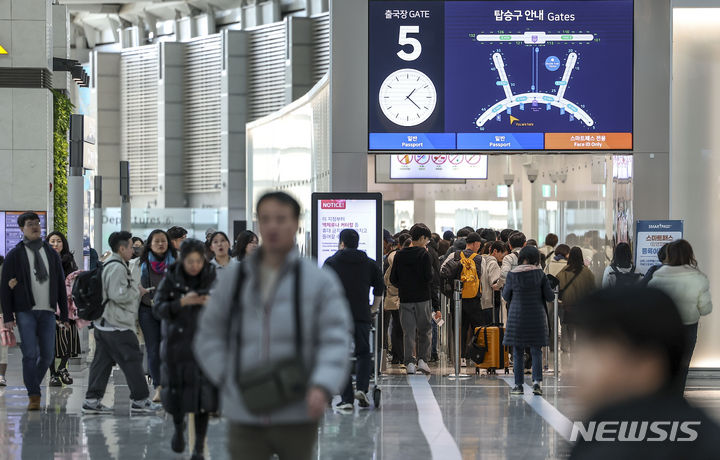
392 308
576 281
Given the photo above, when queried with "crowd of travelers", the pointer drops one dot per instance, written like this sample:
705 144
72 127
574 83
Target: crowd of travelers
255 332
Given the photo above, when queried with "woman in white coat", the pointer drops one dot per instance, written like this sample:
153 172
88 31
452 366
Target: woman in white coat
689 288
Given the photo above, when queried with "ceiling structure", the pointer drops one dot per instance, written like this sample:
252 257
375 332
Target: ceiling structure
97 22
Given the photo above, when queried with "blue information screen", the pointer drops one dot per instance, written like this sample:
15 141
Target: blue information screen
500 75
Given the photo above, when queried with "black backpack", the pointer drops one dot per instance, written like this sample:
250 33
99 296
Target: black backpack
630 278
87 293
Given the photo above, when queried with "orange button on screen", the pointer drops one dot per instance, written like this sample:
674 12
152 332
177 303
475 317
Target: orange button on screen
584 141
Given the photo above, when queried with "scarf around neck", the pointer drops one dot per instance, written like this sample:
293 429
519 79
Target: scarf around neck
40 270
156 264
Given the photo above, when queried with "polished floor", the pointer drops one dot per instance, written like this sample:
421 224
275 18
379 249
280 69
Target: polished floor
420 417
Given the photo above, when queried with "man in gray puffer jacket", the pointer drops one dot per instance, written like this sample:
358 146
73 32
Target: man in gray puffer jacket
257 330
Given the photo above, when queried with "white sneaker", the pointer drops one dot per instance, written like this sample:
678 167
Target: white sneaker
345 408
423 367
362 398
410 368
463 362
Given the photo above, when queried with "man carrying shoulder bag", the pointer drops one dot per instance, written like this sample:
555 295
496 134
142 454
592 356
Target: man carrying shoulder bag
275 339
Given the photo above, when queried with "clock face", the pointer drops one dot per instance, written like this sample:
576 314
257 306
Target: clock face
408 97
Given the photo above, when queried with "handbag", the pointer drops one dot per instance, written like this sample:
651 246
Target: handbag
475 352
268 388
7 336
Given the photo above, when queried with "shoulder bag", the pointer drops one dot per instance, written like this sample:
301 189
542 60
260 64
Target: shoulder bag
276 385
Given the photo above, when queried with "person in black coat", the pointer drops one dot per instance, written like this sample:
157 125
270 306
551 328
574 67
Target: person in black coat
526 291
358 274
179 301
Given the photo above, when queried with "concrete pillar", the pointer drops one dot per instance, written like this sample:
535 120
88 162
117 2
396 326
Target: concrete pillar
26 114
348 96
234 110
171 126
652 109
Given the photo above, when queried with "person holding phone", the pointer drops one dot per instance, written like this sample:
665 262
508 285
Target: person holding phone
179 300
157 256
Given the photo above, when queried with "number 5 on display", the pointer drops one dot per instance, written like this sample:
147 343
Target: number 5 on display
414 42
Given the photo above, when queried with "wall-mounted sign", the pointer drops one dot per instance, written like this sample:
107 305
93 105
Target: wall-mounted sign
3 50
438 166
651 235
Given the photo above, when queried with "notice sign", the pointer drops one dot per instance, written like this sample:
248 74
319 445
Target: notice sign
12 233
651 235
335 216
439 166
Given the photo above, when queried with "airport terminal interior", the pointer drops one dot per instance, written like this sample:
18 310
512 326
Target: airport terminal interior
533 186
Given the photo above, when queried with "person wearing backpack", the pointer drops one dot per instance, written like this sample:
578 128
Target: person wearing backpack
516 241
115 338
576 281
466 266
621 271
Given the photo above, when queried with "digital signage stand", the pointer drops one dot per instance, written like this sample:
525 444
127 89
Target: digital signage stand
333 212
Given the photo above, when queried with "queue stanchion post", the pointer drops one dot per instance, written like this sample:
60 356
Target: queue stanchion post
556 328
457 299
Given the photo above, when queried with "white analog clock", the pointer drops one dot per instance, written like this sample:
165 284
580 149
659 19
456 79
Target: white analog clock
408 97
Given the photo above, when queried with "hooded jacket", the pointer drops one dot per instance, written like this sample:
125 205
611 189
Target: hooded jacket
121 292
688 287
268 333
358 274
526 291
412 274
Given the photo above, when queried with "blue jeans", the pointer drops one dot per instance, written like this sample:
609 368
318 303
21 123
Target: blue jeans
151 329
519 364
37 335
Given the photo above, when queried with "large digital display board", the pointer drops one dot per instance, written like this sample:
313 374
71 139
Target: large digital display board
500 75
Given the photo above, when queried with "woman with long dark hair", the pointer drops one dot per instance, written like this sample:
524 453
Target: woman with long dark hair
680 278
220 247
179 301
621 271
157 256
526 291
67 340
245 244
576 281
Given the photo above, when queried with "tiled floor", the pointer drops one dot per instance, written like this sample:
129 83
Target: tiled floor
479 414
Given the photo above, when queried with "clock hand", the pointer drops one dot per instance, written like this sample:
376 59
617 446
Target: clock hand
408 98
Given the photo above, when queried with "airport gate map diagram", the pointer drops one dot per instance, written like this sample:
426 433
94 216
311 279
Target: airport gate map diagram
509 75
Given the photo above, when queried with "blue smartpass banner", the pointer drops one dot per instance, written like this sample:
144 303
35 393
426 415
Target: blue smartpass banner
650 236
483 75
